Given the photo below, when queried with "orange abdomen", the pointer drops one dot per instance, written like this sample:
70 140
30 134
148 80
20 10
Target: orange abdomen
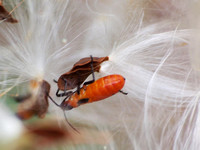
105 87
98 90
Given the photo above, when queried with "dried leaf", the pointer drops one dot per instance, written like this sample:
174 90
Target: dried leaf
5 15
34 104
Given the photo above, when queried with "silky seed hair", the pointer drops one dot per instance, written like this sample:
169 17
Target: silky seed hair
151 49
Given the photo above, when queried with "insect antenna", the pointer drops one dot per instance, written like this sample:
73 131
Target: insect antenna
64 115
53 100
70 123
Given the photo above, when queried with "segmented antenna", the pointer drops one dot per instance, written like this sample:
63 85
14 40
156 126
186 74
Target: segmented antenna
53 100
70 123
64 115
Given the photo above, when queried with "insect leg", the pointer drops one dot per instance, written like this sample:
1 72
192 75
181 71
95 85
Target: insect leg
57 92
68 95
78 89
123 92
55 81
78 86
62 94
65 89
63 104
92 69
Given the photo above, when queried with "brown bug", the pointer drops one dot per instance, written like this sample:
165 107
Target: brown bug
35 103
78 74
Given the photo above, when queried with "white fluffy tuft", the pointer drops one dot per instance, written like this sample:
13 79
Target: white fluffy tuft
151 49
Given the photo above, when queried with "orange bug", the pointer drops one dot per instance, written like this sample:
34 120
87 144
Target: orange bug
77 75
96 91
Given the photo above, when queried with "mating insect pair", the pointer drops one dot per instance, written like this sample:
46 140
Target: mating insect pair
92 90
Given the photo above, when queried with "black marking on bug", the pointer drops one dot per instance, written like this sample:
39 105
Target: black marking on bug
83 101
